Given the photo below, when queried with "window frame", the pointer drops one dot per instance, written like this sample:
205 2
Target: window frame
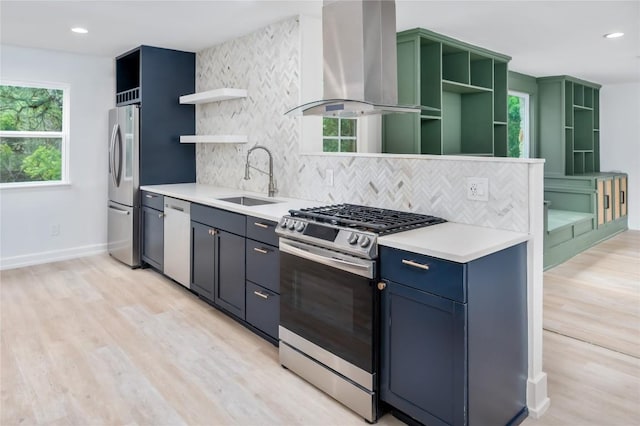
524 121
340 137
63 134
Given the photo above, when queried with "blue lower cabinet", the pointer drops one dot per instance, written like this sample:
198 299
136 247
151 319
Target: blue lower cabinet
263 309
230 273
263 265
203 254
454 337
424 358
153 237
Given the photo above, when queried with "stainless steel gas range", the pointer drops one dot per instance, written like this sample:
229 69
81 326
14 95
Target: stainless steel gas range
329 303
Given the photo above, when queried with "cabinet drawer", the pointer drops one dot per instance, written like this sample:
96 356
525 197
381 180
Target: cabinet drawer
153 200
436 276
219 219
262 230
263 309
263 265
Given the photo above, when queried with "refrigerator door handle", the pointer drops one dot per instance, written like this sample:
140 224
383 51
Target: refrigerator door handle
119 211
118 169
112 146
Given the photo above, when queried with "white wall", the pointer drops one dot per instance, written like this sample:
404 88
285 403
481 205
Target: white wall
27 215
620 139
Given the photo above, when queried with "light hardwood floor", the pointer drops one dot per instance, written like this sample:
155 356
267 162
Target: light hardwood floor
592 336
91 342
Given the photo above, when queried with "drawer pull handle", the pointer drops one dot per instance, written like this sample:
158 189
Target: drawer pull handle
150 196
261 294
212 232
261 225
415 264
161 215
260 250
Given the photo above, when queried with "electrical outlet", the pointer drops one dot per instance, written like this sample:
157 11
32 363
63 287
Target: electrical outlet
328 177
55 230
478 189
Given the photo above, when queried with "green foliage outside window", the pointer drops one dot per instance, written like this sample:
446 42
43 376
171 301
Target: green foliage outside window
514 129
31 124
339 134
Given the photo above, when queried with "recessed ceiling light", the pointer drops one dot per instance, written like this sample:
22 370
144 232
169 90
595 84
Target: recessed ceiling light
79 30
613 35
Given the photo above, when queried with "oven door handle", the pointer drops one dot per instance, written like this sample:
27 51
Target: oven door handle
325 257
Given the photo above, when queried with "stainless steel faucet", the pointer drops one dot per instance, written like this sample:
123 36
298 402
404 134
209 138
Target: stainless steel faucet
247 166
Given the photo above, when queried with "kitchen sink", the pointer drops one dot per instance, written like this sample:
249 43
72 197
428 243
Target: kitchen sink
248 201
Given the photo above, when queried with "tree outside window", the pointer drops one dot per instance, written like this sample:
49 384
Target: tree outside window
339 134
32 134
518 125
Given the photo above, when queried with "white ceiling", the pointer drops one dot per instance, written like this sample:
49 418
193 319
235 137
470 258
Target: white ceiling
543 37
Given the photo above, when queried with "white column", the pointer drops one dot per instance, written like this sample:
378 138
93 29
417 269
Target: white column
537 399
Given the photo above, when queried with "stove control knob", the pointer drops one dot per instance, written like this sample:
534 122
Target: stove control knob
364 242
292 224
300 226
283 222
353 238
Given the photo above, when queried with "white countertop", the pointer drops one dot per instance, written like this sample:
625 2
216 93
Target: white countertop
456 242
209 195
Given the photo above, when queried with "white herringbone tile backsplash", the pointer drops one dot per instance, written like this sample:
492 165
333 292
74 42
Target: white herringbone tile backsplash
267 64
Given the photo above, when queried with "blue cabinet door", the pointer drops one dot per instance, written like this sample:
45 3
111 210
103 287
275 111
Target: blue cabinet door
263 309
424 355
230 273
153 237
203 250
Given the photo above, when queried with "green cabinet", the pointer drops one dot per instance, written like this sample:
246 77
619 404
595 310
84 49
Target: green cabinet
569 115
611 202
581 211
462 90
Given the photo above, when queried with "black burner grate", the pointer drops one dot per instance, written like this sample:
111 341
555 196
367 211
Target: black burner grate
380 221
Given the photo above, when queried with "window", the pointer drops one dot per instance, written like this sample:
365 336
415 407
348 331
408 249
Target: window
33 133
518 127
339 134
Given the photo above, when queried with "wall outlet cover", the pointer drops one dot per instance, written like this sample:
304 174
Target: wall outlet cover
328 177
478 189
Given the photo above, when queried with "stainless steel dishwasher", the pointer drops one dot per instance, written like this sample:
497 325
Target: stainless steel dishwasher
177 240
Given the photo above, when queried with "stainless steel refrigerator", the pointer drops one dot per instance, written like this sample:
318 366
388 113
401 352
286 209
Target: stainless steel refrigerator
124 183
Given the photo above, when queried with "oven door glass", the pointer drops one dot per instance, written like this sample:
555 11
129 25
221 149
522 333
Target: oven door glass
329 307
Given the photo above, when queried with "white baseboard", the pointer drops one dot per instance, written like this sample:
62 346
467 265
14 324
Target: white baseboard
51 256
537 400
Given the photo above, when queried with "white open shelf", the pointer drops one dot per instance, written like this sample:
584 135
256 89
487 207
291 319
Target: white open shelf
213 139
213 96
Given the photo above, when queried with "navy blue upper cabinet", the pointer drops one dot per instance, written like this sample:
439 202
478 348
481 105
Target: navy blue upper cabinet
155 78
454 337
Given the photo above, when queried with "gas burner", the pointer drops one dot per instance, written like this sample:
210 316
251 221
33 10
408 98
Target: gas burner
364 218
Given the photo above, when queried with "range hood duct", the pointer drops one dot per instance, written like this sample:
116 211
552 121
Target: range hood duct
360 60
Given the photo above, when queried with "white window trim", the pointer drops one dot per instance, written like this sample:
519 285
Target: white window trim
526 148
64 134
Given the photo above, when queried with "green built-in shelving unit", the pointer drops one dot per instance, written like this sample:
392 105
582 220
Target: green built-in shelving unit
569 132
462 90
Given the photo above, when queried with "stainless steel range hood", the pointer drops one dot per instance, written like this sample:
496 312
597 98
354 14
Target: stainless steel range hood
360 61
